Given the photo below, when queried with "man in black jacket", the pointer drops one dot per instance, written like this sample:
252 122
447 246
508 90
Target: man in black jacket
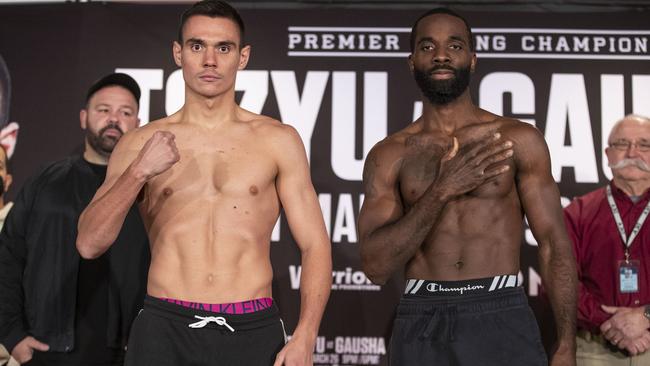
56 308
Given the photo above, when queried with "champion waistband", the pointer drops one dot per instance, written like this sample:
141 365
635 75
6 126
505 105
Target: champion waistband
416 287
242 307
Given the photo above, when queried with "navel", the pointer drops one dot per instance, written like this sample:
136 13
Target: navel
253 190
210 278
459 265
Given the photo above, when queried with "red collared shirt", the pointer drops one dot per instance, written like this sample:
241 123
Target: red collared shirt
598 248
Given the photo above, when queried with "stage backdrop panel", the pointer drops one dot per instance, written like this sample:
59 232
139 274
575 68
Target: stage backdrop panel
340 77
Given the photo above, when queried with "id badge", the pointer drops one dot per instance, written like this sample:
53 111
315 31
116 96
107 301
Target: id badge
628 276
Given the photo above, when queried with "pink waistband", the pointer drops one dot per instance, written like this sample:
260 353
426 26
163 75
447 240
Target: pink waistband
242 307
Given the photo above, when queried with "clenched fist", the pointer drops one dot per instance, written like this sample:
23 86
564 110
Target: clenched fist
158 154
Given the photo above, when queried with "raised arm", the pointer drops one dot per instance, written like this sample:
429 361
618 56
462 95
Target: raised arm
128 170
305 219
389 234
540 198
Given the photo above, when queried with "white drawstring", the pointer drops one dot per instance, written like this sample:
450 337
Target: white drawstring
207 319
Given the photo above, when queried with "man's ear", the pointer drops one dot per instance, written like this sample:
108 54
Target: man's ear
608 150
176 52
244 54
472 64
83 118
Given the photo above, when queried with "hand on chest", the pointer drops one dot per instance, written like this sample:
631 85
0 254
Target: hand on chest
425 158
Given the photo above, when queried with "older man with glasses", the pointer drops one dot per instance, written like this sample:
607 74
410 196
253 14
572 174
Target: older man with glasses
612 246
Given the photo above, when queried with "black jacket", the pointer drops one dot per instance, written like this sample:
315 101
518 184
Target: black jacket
39 262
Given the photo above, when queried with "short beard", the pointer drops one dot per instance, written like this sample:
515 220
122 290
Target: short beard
103 145
631 162
442 91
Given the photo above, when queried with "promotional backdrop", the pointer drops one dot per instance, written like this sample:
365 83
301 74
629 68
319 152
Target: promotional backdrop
339 77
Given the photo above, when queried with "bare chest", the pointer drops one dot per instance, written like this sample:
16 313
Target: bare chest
212 167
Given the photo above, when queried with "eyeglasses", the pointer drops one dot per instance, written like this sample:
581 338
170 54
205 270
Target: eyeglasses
624 145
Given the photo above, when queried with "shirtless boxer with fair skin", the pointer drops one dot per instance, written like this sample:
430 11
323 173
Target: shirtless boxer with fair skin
211 180
444 201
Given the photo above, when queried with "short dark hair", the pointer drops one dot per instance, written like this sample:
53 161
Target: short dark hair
115 79
213 9
447 12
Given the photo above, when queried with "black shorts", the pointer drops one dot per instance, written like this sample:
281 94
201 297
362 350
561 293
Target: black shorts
473 328
161 335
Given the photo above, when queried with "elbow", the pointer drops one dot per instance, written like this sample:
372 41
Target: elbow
550 250
373 271
376 267
86 241
86 251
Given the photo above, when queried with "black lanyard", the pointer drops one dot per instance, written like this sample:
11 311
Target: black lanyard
619 223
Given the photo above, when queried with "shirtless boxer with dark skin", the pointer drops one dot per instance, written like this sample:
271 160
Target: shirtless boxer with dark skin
212 179
445 200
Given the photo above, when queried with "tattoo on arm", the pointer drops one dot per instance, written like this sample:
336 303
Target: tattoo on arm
369 176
